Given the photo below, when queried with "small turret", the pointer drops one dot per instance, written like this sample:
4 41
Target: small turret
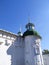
20 33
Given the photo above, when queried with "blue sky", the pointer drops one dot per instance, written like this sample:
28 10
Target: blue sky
14 13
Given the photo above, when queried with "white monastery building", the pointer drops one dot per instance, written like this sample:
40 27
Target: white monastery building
21 49
46 59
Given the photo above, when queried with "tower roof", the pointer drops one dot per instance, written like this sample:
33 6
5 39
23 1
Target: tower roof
30 24
31 31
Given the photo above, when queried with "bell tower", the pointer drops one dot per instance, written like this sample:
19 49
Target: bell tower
33 53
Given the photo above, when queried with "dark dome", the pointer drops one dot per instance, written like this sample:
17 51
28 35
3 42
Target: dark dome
31 32
30 24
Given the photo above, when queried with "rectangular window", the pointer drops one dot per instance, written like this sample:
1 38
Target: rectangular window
7 43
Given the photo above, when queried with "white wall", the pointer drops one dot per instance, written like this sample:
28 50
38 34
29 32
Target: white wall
18 56
21 52
30 57
5 57
46 59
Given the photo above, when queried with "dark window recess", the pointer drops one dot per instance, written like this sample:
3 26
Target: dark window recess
1 43
6 43
37 51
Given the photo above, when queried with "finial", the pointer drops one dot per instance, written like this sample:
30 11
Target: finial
20 29
28 19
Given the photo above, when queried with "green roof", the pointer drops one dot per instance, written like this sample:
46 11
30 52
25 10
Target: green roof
19 32
31 32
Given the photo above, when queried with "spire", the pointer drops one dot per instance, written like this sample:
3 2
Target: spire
28 19
30 26
20 29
